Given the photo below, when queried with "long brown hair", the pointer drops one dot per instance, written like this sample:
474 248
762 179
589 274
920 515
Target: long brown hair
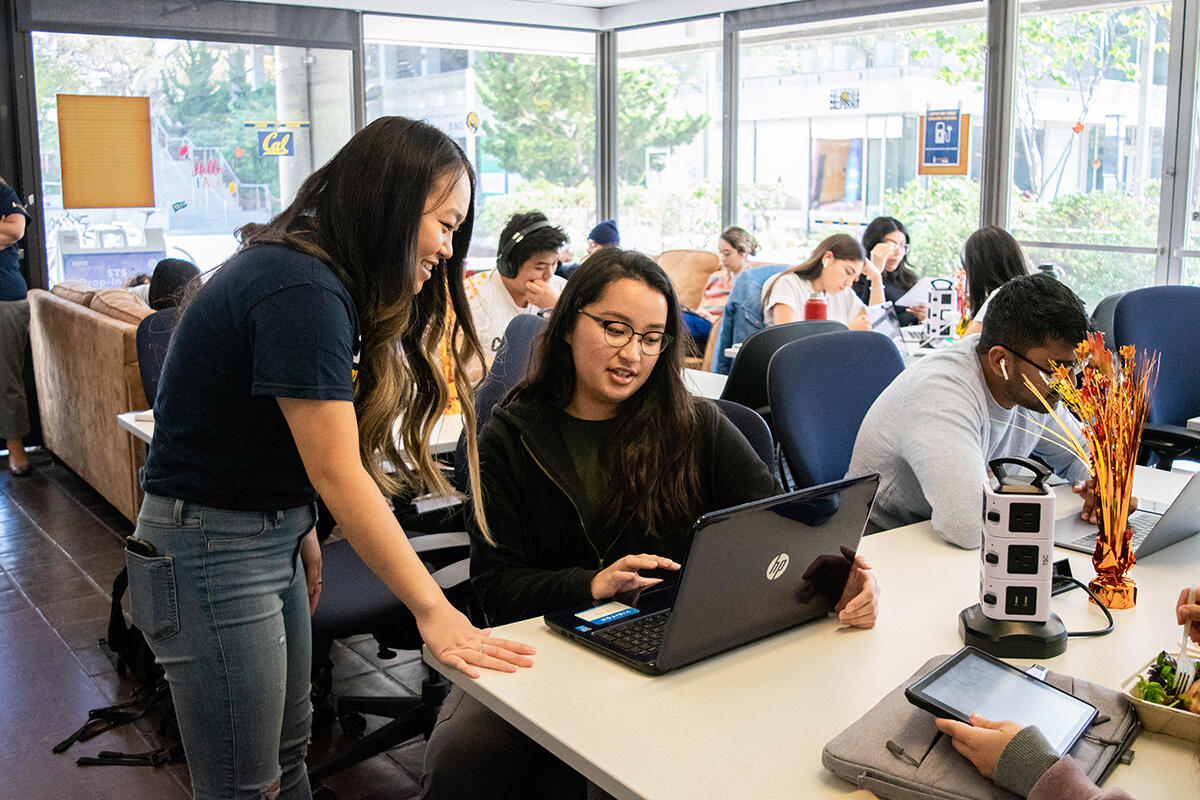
658 482
360 214
844 248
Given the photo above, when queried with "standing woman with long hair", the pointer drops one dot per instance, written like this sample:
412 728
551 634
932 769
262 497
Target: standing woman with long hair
593 469
14 331
831 269
887 245
284 380
990 257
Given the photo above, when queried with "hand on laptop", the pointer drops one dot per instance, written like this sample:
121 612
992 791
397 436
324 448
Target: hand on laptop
859 605
622 575
1091 506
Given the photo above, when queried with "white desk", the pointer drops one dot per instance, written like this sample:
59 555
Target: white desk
752 723
445 433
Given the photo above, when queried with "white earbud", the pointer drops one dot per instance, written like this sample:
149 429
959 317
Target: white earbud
1003 369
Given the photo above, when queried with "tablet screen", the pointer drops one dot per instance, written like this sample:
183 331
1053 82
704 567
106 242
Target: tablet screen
976 684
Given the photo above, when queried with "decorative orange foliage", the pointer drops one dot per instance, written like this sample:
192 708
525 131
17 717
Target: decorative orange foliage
1110 399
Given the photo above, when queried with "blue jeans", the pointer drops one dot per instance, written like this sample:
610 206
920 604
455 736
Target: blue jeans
224 606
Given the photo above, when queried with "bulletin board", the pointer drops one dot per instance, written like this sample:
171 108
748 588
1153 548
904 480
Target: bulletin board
104 146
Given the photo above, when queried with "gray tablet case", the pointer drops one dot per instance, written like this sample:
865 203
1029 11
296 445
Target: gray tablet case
921 764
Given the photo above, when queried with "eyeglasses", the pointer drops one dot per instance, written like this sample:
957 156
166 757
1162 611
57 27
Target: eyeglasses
619 334
1074 371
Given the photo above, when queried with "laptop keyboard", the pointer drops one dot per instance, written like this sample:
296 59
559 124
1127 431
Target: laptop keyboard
1141 524
640 636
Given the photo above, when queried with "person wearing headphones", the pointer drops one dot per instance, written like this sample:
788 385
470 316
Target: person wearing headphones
933 430
523 281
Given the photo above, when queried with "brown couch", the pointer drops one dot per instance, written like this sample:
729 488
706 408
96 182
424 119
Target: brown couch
85 363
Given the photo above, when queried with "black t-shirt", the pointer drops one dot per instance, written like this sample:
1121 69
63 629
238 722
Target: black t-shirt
270 323
12 283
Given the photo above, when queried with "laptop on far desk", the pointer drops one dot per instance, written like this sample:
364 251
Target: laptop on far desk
1151 531
753 570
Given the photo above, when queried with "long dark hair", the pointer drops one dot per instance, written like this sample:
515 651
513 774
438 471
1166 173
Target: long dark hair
172 281
990 257
844 248
360 214
902 275
658 481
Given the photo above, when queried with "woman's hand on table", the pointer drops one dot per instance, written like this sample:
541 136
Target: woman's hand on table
457 643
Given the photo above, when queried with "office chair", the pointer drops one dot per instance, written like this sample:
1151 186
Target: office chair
1102 317
1164 319
747 382
821 388
753 427
510 367
153 337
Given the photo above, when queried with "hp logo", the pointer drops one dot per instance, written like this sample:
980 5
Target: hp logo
777 567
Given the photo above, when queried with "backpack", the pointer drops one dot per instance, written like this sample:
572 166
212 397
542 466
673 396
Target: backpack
151 698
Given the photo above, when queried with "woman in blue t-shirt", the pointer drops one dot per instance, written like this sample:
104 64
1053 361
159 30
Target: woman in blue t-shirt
14 331
285 379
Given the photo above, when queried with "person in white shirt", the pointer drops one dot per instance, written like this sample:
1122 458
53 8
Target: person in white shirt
832 268
933 430
523 281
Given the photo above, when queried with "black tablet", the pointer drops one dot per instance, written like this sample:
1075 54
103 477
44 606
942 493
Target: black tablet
971 681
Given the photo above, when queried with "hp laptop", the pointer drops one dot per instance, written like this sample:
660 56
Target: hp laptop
1151 531
753 570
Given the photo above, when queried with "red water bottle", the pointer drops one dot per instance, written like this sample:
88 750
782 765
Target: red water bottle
816 307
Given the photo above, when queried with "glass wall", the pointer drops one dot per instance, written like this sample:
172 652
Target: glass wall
1089 113
210 172
669 135
520 101
829 121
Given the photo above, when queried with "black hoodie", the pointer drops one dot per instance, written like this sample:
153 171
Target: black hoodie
546 554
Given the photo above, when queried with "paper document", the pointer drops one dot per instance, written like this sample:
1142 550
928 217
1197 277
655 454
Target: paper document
917 294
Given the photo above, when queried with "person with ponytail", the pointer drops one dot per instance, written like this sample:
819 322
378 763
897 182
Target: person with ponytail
593 470
284 380
831 270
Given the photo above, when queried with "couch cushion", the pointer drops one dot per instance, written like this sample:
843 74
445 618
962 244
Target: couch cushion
75 291
120 304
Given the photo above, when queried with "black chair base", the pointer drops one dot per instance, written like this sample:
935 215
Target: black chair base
410 717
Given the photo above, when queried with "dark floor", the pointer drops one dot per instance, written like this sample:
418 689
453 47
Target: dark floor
60 548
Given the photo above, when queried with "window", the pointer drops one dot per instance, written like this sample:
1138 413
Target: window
829 120
669 136
1087 142
520 101
209 176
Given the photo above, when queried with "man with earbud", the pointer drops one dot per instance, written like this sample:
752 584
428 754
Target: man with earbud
932 432
523 281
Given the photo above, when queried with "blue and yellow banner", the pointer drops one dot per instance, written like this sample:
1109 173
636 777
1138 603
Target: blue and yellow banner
276 143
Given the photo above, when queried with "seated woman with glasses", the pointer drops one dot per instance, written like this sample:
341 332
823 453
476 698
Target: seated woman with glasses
990 257
593 471
887 245
829 271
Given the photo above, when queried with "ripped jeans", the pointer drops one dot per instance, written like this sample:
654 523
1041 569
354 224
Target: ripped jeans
224 606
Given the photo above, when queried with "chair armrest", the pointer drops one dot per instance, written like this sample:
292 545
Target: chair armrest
1156 435
453 576
429 543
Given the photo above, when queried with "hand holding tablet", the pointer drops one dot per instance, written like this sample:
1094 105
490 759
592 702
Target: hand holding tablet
971 682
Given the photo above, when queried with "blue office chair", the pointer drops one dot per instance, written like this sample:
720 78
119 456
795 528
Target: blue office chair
743 315
747 382
753 427
821 388
1164 319
510 367
153 338
1102 317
